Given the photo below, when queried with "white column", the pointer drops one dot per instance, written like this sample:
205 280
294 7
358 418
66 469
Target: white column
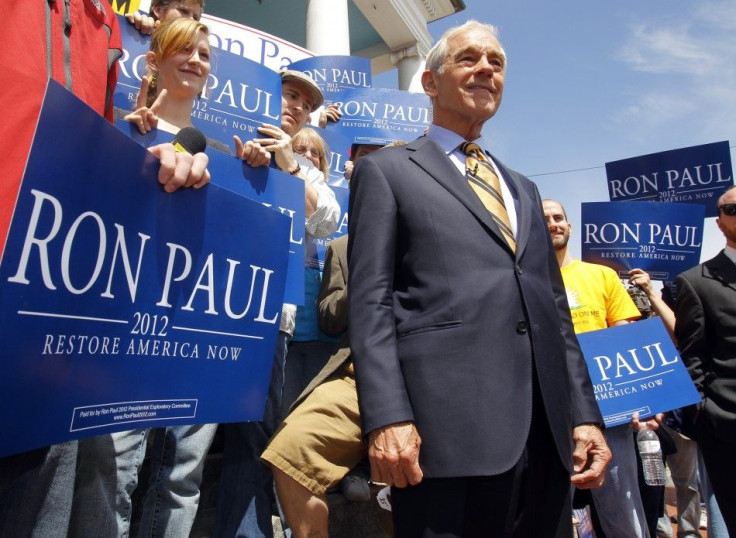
410 66
328 32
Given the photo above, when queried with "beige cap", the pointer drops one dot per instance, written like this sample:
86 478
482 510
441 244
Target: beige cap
306 81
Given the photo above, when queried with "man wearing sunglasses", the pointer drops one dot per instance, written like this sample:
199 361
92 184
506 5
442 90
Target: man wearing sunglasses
706 332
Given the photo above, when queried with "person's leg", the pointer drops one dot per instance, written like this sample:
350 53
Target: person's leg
293 374
306 512
716 525
518 503
618 502
36 490
721 466
664 526
545 496
317 444
107 475
272 412
652 500
177 460
652 497
683 466
530 500
245 494
435 508
303 362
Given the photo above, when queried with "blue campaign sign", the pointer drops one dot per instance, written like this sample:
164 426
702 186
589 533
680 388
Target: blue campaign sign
124 306
635 367
334 74
240 94
338 152
380 116
698 175
317 246
267 186
131 65
280 192
662 239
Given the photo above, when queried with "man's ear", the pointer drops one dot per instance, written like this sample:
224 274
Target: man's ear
429 84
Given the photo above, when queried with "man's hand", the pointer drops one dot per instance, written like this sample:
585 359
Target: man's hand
590 458
278 142
251 152
641 278
652 422
143 23
331 113
349 165
394 454
179 169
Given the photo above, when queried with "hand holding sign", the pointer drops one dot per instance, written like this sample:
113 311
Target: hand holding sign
251 152
179 169
638 277
331 113
110 323
652 422
278 142
142 22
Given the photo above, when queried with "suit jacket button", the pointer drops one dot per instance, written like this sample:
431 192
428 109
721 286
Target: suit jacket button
518 270
521 327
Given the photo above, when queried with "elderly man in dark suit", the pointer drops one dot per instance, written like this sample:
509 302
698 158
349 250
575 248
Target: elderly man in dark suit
460 329
706 335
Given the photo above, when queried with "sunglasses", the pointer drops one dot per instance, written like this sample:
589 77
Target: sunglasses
728 209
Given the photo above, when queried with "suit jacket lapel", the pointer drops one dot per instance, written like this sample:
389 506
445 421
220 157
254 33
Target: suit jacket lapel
434 162
723 269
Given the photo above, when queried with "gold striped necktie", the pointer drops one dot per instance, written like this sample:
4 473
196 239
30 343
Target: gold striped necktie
485 183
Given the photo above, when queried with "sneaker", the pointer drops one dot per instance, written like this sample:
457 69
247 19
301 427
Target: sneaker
355 488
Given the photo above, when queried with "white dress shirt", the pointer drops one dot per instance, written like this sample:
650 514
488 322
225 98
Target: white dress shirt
450 143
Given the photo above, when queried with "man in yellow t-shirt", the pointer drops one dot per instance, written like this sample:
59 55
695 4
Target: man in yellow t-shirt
599 300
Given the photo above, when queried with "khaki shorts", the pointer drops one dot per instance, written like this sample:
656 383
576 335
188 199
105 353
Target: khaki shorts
320 440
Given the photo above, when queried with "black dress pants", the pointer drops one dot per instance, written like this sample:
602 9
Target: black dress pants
720 462
530 500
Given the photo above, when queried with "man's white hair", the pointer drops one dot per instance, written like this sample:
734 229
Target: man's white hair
438 53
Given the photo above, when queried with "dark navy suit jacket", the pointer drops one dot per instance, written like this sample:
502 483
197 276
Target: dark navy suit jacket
447 324
706 336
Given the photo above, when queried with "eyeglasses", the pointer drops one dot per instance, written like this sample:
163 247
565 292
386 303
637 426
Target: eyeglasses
304 151
728 209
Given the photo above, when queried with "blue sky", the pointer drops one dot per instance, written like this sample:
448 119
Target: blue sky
592 82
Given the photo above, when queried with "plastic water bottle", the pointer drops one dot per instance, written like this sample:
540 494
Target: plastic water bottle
651 457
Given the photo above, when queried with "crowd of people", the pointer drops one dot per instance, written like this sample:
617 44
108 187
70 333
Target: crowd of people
459 379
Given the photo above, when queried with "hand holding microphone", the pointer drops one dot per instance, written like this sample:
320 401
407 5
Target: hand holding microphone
183 161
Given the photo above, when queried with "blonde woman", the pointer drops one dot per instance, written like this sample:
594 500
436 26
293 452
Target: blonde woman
178 64
107 472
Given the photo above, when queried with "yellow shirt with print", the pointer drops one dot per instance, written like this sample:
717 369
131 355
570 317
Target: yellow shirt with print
596 296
